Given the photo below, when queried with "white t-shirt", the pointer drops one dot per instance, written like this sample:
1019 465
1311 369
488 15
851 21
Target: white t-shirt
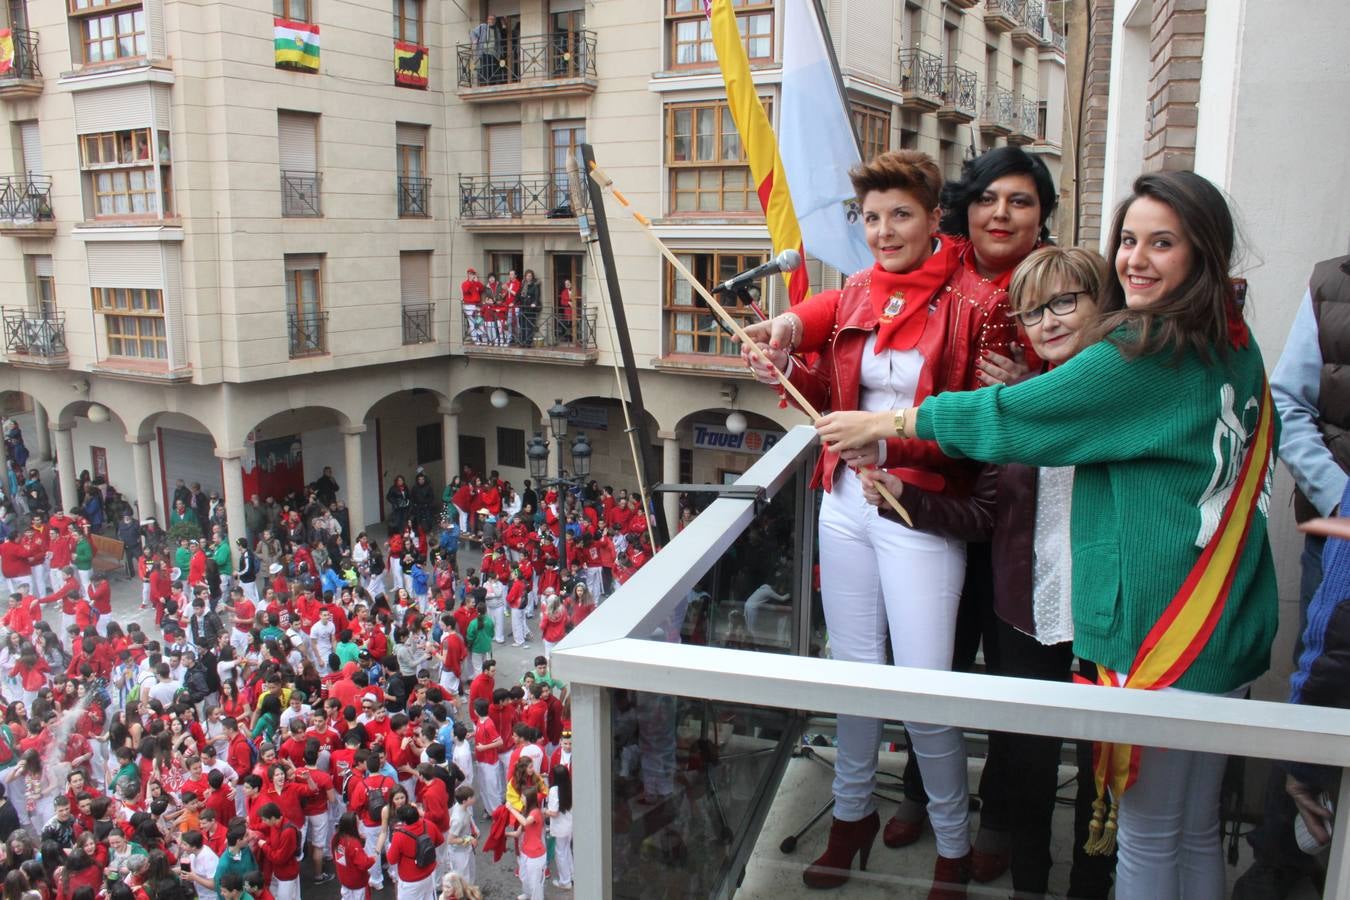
204 864
561 824
462 756
322 638
165 691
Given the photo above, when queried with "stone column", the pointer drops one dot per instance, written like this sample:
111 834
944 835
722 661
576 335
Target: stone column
233 476
450 439
65 464
43 450
670 474
145 479
356 495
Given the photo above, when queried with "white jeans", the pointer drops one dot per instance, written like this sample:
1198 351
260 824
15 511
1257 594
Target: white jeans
488 784
285 890
371 835
562 857
1168 843
532 876
520 627
250 589
498 614
462 862
877 575
419 890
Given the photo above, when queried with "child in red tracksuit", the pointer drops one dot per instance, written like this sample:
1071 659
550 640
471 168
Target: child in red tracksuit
351 860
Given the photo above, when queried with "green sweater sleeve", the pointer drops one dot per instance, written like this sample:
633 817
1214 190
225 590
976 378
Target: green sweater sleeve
1097 407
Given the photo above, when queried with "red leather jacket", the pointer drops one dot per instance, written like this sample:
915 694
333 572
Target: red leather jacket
966 317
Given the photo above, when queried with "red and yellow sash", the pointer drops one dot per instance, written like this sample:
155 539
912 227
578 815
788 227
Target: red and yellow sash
1179 636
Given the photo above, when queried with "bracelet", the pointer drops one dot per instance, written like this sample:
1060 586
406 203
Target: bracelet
795 323
900 424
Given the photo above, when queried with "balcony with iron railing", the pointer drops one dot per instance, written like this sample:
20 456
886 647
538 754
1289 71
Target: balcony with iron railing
921 80
560 63
414 197
35 339
960 95
704 711
555 336
1027 122
542 201
1003 15
1030 30
300 194
23 78
26 206
308 333
418 323
999 113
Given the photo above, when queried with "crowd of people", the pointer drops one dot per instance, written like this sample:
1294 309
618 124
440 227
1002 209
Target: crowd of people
304 708
509 313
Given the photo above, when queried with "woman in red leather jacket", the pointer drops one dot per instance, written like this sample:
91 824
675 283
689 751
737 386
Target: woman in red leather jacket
912 325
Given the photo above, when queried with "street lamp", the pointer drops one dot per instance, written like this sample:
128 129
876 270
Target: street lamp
558 414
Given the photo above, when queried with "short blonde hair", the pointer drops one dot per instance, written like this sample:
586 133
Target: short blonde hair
1043 270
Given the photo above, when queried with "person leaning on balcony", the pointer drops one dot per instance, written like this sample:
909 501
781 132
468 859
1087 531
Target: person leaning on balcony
1311 387
906 328
530 305
486 40
471 295
566 314
1053 295
1170 427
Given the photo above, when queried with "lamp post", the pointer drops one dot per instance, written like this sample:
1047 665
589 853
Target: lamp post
537 453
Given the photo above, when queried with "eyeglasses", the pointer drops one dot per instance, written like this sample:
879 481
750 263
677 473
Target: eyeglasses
1060 305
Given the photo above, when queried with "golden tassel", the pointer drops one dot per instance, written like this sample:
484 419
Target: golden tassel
1101 840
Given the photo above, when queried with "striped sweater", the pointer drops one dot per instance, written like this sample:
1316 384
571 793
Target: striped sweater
1158 444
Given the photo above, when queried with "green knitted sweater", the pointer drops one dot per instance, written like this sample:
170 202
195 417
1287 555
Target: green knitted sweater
1157 444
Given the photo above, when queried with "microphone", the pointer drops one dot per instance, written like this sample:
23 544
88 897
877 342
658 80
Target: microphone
786 261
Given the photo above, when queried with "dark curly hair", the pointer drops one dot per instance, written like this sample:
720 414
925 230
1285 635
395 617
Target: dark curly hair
978 173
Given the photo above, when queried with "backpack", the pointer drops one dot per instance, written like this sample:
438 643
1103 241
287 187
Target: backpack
375 802
426 848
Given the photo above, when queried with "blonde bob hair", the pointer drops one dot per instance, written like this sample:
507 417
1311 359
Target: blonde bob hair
1047 269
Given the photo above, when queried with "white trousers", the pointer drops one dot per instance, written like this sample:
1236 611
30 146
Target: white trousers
418 890
462 862
285 890
498 614
250 589
371 835
595 581
488 784
1168 844
877 576
532 876
20 584
520 626
562 857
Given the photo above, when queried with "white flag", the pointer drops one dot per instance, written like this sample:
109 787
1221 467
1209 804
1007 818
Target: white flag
815 141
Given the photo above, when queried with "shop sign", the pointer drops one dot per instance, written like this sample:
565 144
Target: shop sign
752 440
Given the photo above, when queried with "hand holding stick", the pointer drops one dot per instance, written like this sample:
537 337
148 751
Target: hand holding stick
600 178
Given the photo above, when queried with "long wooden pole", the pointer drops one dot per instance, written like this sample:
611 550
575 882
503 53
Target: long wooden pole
607 183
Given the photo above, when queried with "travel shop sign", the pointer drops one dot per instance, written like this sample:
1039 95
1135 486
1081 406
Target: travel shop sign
752 440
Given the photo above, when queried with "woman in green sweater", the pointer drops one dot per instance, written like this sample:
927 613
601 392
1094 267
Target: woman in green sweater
1167 420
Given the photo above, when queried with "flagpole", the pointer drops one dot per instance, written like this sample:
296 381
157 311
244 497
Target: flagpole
834 67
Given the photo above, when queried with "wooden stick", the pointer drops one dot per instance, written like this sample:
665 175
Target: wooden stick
606 182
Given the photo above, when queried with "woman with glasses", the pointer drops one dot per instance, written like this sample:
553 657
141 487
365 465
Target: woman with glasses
1169 425
1053 296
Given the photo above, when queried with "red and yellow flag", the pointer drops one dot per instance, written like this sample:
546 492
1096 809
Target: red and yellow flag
757 137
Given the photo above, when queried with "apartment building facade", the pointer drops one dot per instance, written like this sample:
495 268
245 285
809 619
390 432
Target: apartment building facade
233 242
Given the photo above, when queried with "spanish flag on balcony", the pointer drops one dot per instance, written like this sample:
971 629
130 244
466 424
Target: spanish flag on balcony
297 44
6 51
761 147
410 65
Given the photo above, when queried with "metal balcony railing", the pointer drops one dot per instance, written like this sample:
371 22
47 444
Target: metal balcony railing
25 66
1028 119
308 333
1011 9
544 330
25 198
414 196
685 683
539 57
1034 18
417 327
1059 41
300 194
35 334
1000 108
921 72
489 197
960 90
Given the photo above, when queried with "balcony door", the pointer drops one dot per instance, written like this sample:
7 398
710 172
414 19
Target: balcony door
565 42
31 143
503 150
18 15
503 262
44 287
565 138
568 267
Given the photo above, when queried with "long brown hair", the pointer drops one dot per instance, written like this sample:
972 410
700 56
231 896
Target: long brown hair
1195 315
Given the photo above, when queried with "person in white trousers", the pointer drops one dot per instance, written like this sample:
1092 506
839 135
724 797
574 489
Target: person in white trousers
559 814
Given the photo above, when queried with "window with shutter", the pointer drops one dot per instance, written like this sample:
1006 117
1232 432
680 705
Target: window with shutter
504 151
298 155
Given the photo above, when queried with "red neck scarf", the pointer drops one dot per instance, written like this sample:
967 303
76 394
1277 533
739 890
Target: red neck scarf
900 300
